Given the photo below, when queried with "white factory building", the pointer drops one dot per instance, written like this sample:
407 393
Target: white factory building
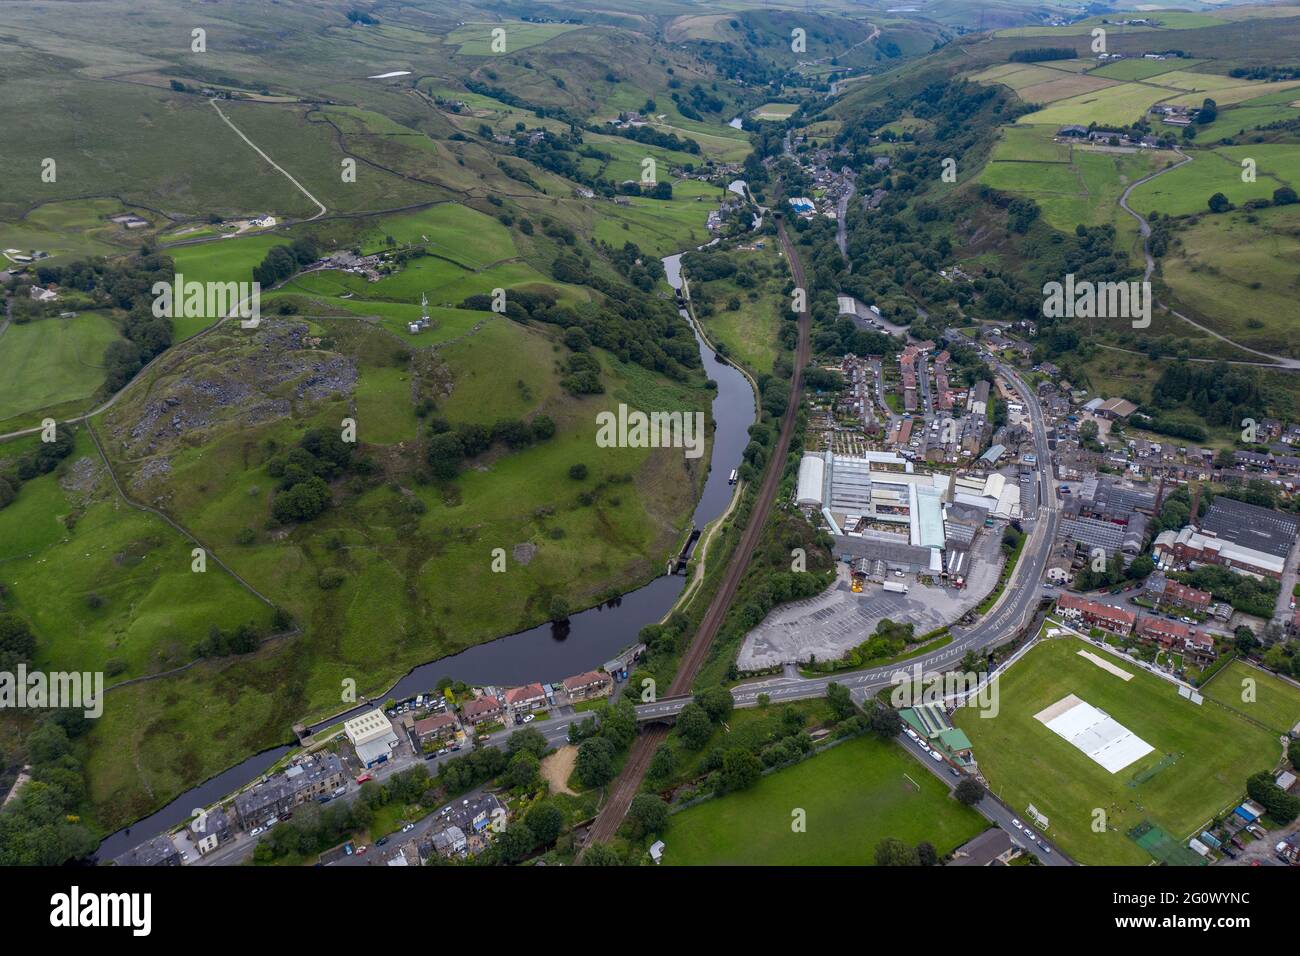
853 491
372 735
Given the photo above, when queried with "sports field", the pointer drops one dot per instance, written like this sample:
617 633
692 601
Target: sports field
1202 754
854 795
1268 699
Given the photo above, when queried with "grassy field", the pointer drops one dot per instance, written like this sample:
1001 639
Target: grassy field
774 111
52 362
476 39
855 795
1071 184
79 541
1139 69
1237 273
1276 703
1113 106
1188 189
749 333
1025 762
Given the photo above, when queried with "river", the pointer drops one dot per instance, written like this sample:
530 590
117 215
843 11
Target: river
545 653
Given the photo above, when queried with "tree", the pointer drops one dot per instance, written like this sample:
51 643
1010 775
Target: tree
926 854
1219 203
514 842
885 723
1284 196
600 854
578 472
740 769
545 821
717 703
664 762
523 772
1280 805
444 456
1293 753
693 726
648 815
842 707
17 643
969 791
892 851
618 723
594 764
530 739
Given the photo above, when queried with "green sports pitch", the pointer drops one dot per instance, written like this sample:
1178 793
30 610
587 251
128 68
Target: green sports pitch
1201 758
854 795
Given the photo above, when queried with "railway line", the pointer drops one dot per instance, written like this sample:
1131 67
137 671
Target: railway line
628 782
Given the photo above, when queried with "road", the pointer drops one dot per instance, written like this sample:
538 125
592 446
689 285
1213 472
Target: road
284 172
991 808
1145 229
626 785
841 223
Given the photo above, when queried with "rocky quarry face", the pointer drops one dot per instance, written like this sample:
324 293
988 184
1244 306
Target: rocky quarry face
231 377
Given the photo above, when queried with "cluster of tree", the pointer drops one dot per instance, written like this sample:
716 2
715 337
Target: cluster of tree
1161 425
643 271
653 137
1114 572
663 189
1220 394
305 471
41 460
360 16
125 284
1281 806
892 851
602 740
281 262
17 642
1249 595
450 446
242 639
42 825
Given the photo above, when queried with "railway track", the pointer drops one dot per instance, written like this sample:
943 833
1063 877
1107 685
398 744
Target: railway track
628 782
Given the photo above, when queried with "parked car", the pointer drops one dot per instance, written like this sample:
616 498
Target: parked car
1046 848
256 830
936 755
408 828
1017 824
954 771
361 851
381 841
340 791
364 777
530 718
911 733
